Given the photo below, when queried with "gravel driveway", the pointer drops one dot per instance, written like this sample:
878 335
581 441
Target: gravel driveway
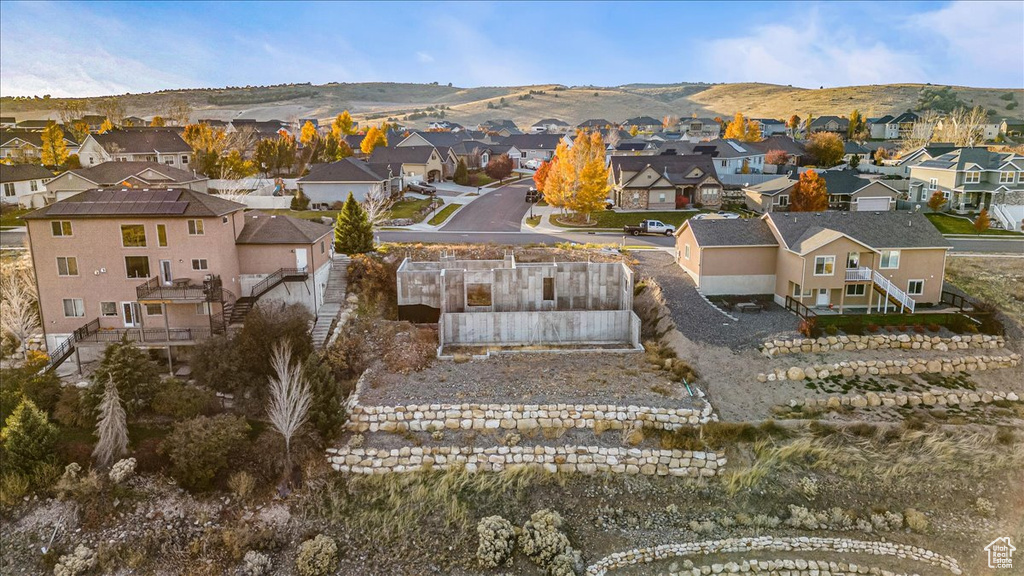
702 322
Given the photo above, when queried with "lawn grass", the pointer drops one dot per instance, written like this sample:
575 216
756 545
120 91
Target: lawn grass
411 208
443 215
610 219
532 222
952 225
9 217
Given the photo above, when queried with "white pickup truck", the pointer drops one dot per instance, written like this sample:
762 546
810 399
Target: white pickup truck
650 227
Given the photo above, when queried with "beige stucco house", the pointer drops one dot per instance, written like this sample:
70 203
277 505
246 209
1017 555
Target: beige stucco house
843 261
166 267
414 163
162 145
137 175
663 182
846 191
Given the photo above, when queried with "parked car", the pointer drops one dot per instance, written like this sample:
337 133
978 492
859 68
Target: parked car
532 164
421 188
650 227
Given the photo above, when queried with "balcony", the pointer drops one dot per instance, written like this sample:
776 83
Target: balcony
92 332
181 290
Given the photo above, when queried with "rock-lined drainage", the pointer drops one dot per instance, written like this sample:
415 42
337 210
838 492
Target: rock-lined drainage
853 343
906 366
770 543
789 567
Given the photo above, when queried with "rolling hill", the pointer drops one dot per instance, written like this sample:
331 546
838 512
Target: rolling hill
373 101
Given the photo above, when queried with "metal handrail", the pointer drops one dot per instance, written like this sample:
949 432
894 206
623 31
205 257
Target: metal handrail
891 290
272 280
207 291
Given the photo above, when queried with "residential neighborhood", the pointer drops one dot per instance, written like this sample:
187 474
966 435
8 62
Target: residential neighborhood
559 289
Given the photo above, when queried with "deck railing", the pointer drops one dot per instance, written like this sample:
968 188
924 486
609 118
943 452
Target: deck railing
184 289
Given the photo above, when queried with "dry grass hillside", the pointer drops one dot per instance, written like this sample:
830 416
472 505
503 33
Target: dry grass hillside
527 104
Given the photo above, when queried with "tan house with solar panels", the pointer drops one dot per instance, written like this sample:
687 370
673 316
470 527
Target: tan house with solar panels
840 261
166 267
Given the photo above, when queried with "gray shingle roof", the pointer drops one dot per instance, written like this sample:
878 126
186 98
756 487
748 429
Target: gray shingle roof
22 172
960 158
344 170
198 204
720 148
551 121
33 137
739 232
533 141
142 141
674 168
878 230
773 186
113 173
262 228
595 123
642 121
402 154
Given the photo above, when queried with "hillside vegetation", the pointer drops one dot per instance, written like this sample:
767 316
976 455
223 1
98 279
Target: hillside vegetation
527 104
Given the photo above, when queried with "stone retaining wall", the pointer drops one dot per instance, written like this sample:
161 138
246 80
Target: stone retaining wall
892 367
769 543
881 342
789 567
581 459
521 417
934 397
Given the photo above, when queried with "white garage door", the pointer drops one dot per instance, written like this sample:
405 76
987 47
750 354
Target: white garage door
873 204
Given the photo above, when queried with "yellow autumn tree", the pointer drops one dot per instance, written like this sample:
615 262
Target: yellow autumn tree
578 179
158 121
308 133
54 149
107 126
742 129
373 138
554 184
343 125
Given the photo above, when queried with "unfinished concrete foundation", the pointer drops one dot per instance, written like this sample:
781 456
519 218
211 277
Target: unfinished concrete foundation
504 303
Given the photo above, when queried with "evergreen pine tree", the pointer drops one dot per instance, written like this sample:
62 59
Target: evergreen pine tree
112 428
353 233
27 441
461 173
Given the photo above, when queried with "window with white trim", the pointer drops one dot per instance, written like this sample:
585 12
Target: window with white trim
933 183
156 309
824 265
74 308
136 266
108 308
784 200
202 308
915 287
133 235
890 259
33 185
972 177
1007 177
67 266
195 227
855 289
686 251
9 189
852 260
200 264
60 228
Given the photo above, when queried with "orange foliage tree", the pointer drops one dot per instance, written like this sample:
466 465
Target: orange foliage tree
810 194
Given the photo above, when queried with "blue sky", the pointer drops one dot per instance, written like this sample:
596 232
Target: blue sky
88 49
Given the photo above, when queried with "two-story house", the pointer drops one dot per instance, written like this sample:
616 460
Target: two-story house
26 145
166 267
418 163
770 126
970 179
24 184
663 182
642 124
834 124
730 156
123 175
698 129
533 146
840 261
162 145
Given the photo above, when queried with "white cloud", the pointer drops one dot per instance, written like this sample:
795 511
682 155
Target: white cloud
424 58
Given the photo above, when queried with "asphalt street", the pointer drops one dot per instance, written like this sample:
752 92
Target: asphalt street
500 210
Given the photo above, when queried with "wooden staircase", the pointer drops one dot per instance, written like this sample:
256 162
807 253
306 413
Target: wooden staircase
237 312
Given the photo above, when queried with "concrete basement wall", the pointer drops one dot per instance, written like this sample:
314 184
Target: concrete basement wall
527 328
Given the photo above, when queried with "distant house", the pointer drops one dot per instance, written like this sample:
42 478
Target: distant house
534 146
549 126
846 191
443 141
1012 127
837 261
263 129
499 127
770 126
33 124
877 126
163 145
446 125
27 144
418 163
329 183
95 121
23 184
599 124
137 175
643 124
8 121
663 182
135 121
477 154
636 147
730 156
794 149
698 129
907 161
851 149
833 124
970 179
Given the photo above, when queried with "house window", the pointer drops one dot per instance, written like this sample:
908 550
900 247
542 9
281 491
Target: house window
67 266
34 185
8 188
478 295
933 183
853 260
824 265
195 227
108 308
855 289
154 309
796 290
890 259
661 197
783 200
199 264
184 160
161 235
549 289
724 163
223 219
915 287
202 308
972 177
169 161
74 308
133 235
322 247
686 251
1007 177
137 266
60 228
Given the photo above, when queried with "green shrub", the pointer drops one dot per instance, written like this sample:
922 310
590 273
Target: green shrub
134 374
831 330
300 201
317 556
202 448
28 380
27 443
179 401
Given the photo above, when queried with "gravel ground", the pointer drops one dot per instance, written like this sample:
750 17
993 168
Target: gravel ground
700 321
535 378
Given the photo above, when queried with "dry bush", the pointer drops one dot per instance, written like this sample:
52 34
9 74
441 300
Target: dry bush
373 279
242 485
916 521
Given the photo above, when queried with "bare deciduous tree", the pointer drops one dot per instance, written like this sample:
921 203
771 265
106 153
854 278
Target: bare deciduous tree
289 396
962 127
378 205
611 137
18 314
920 134
69 111
112 428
